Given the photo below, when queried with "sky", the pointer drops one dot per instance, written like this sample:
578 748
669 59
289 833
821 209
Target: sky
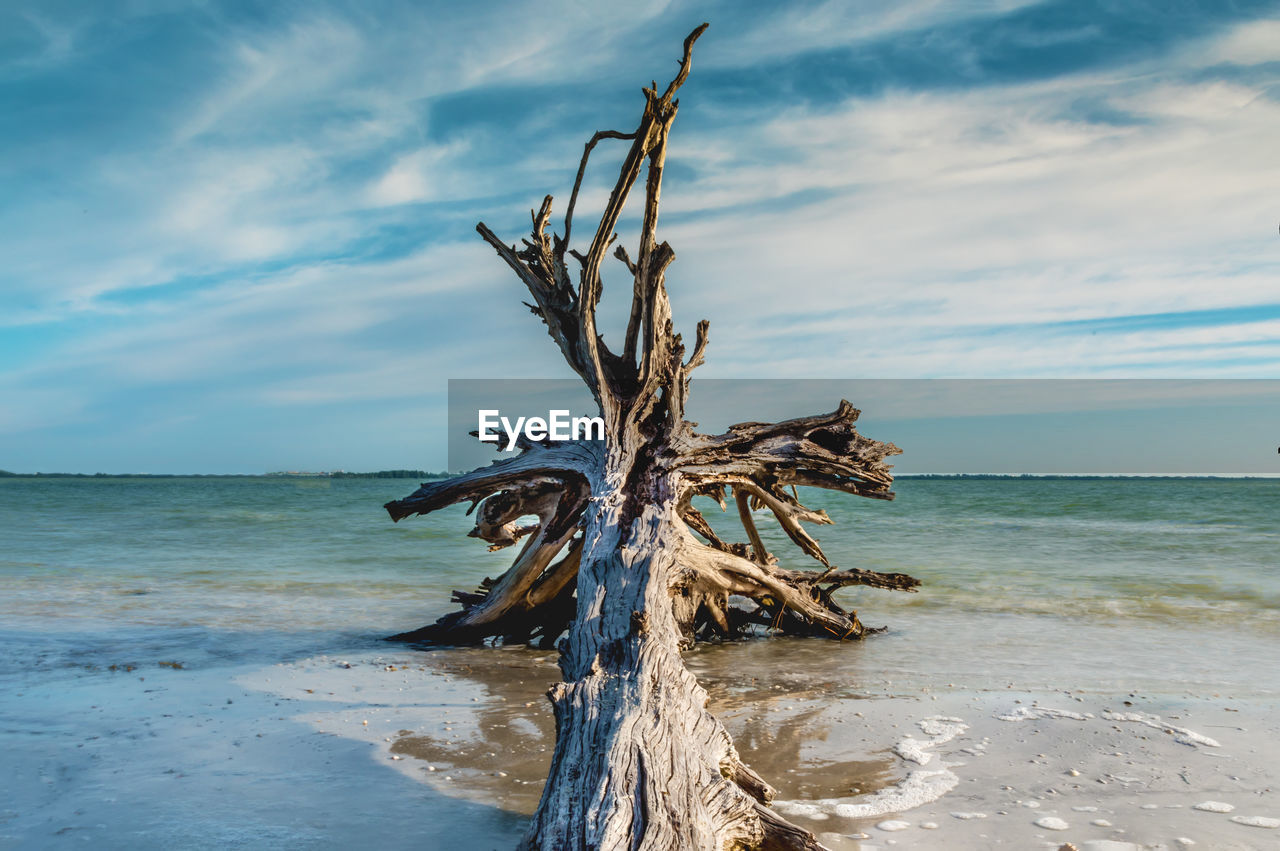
240 237
949 426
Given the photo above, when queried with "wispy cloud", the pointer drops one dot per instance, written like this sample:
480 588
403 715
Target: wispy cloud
214 220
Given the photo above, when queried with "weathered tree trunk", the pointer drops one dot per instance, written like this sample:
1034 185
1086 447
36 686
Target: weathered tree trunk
622 558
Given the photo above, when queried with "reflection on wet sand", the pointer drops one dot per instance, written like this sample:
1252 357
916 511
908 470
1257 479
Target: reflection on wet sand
857 759
503 754
781 716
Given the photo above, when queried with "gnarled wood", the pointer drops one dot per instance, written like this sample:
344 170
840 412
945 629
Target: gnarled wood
639 762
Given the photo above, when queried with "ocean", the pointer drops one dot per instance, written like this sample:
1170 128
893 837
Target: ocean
229 568
1167 588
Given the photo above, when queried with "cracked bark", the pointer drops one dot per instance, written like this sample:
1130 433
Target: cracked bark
621 558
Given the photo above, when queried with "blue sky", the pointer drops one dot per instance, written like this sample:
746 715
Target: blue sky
1091 426
239 237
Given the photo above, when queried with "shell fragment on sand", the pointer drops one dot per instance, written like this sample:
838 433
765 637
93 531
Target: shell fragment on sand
1213 807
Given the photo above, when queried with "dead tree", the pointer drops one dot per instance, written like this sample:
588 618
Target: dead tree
621 558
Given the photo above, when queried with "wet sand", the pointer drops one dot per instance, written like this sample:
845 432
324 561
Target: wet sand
272 596
399 748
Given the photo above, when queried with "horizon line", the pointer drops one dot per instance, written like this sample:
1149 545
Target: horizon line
411 474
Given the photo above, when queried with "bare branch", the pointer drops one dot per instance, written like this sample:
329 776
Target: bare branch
564 462
699 347
751 782
509 606
782 835
649 140
699 524
749 524
827 446
756 580
554 304
582 169
621 253
812 478
555 580
686 62
789 513
539 288
842 578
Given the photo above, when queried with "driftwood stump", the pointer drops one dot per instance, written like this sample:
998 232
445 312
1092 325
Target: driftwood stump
622 559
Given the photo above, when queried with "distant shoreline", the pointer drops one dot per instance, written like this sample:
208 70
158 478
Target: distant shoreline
337 474
425 474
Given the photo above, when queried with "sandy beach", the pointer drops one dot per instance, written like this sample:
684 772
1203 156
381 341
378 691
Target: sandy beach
216 677
900 379
402 748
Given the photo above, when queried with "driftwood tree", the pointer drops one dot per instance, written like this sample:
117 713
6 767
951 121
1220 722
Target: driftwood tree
621 557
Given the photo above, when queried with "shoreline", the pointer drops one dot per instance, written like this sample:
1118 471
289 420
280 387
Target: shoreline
1159 593
418 475
390 745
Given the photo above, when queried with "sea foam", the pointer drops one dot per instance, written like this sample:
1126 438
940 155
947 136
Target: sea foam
1033 713
1180 734
918 788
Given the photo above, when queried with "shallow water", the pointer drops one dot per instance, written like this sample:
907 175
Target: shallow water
163 599
1162 578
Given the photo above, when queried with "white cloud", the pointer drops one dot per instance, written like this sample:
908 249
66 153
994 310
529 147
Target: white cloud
426 174
314 334
837 23
1249 43
905 234
947 216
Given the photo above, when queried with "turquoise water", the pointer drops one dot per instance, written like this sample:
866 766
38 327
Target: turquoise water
1027 580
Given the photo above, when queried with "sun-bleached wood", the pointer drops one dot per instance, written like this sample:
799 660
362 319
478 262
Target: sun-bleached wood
621 559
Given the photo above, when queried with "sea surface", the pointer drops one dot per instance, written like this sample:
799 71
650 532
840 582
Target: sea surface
1164 584
198 663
